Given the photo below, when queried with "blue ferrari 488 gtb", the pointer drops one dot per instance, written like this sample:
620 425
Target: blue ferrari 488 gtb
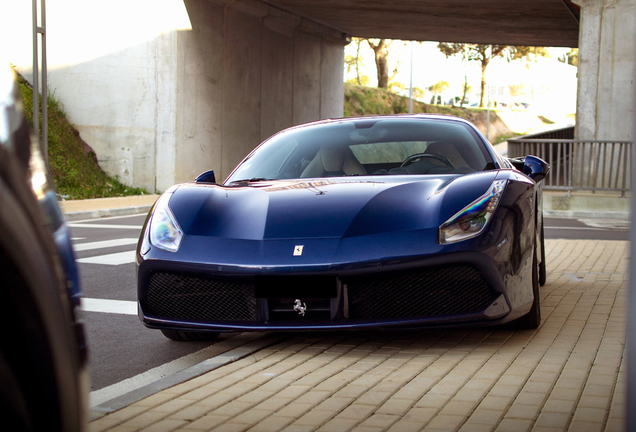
384 222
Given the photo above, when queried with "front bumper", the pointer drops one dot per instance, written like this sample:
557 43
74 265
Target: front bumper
453 289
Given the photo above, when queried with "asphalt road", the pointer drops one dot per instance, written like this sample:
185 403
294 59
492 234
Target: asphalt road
124 353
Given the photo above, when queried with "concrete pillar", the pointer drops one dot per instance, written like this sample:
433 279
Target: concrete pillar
246 71
166 124
307 68
241 86
199 110
278 72
331 80
607 47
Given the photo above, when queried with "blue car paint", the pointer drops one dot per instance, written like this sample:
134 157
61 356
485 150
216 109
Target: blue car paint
62 238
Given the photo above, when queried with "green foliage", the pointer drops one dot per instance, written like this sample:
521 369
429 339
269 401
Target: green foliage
361 101
571 58
526 52
484 53
364 80
396 86
418 93
350 62
439 87
75 170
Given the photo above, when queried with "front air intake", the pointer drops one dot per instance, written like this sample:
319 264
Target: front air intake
188 297
429 293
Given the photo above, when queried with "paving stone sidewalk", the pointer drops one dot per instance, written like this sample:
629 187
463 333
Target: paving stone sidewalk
569 375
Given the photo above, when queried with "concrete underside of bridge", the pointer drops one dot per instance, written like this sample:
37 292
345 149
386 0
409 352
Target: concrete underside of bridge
528 23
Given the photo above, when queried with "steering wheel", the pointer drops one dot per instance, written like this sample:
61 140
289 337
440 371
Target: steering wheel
409 160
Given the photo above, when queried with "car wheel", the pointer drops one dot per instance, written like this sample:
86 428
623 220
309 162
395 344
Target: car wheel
182 336
542 271
13 404
533 318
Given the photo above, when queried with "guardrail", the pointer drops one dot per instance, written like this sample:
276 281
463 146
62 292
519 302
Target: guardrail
579 164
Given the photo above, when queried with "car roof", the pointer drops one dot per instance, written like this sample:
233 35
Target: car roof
421 116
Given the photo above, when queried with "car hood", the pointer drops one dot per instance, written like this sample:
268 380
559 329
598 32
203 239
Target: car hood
324 208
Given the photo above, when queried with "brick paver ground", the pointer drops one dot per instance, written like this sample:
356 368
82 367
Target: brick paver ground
567 375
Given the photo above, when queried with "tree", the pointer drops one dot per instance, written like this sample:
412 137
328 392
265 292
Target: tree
439 87
356 62
381 50
396 86
465 89
571 58
474 52
484 53
418 93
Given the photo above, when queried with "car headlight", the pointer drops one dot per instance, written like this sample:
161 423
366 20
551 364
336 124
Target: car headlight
165 232
472 219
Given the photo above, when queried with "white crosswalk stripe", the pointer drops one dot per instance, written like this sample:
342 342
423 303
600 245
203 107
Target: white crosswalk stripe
105 226
123 307
110 259
104 244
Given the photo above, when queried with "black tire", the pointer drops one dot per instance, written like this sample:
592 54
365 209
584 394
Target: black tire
184 336
533 318
542 271
13 404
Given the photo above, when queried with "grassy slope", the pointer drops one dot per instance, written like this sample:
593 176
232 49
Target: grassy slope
362 100
75 171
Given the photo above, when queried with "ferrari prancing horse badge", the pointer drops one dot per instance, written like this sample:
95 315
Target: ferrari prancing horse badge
298 250
300 307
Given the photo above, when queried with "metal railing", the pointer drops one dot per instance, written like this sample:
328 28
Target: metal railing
579 164
563 133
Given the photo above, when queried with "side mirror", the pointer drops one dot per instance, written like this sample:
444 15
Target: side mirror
535 168
206 177
518 162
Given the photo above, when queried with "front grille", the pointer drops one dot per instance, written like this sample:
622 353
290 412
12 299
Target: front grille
430 293
187 297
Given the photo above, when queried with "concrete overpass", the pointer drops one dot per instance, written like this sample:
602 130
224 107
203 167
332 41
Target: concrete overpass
165 89
504 22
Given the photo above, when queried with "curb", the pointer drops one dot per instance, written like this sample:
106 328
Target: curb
94 214
586 214
182 376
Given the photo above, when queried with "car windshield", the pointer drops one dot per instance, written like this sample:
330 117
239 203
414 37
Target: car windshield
362 147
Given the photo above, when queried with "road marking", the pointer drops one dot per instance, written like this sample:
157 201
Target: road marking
105 226
104 244
109 218
111 259
584 228
222 352
124 307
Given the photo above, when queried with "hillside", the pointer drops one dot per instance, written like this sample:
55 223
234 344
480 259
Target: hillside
362 100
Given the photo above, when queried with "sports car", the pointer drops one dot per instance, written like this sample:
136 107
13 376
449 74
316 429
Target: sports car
372 222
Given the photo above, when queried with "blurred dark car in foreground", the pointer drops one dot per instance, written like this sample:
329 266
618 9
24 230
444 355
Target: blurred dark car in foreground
43 368
372 222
